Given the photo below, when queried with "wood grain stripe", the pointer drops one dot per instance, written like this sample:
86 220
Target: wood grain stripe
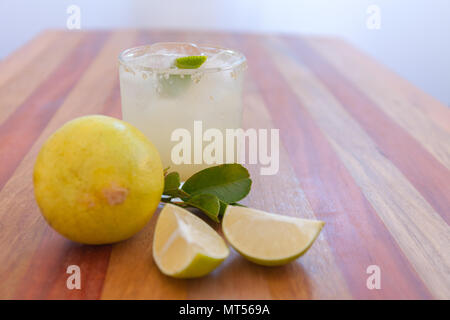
334 166
427 174
310 276
93 260
21 129
359 238
238 278
402 106
88 96
18 60
42 105
396 91
27 79
306 278
120 283
419 231
46 277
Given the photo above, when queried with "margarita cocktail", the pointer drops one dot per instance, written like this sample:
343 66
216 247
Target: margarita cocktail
159 96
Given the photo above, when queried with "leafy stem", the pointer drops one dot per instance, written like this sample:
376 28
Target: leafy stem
210 190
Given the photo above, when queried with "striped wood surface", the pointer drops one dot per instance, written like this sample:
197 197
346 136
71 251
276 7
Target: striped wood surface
361 149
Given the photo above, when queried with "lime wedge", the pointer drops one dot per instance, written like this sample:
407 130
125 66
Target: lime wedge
266 238
190 62
175 85
184 246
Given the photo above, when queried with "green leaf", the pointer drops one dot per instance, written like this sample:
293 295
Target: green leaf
171 182
172 185
190 62
228 182
208 203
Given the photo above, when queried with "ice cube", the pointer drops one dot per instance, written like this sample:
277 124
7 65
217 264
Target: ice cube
175 49
219 59
155 61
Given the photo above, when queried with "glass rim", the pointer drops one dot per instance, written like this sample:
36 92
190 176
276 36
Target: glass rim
122 60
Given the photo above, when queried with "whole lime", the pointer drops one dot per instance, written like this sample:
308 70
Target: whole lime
98 180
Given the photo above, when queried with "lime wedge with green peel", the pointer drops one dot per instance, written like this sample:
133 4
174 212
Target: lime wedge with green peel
184 246
190 62
266 238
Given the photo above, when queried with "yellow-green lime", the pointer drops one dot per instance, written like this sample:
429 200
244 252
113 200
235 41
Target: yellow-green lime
190 62
266 238
184 246
98 180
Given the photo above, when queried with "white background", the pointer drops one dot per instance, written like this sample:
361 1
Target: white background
414 39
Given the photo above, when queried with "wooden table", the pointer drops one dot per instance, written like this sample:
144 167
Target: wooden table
361 149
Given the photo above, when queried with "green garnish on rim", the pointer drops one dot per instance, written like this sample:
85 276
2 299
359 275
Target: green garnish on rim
176 84
190 62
